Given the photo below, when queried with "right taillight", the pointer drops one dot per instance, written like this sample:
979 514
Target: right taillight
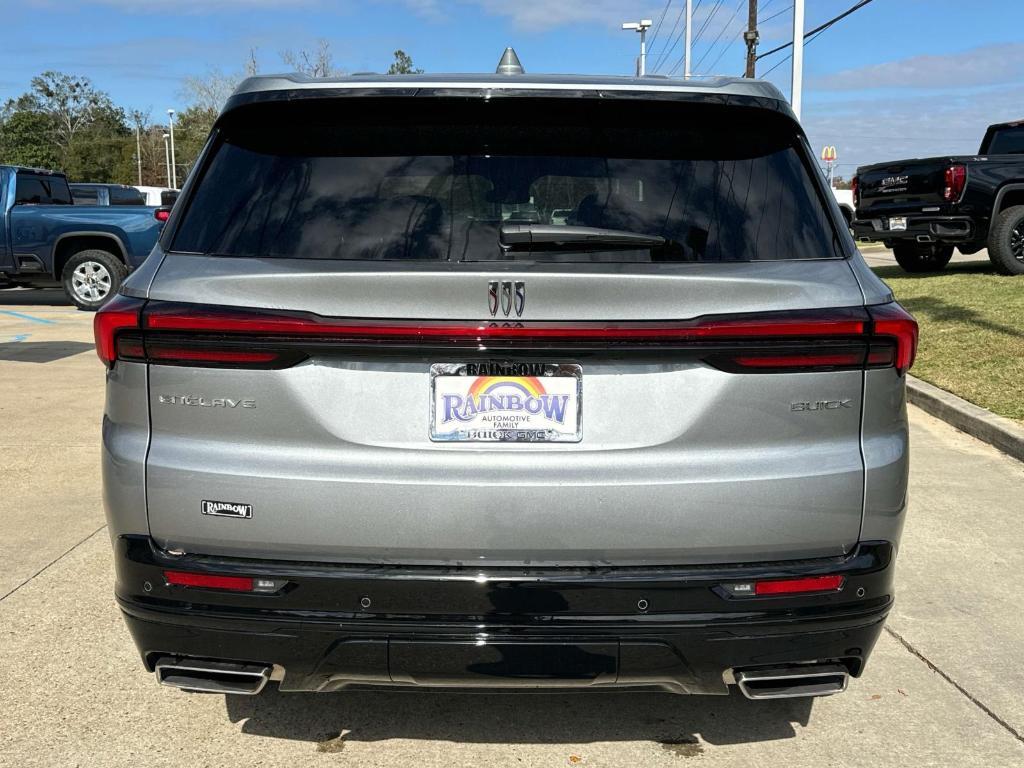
955 181
855 188
893 322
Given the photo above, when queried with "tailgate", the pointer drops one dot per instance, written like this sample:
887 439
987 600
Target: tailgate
902 187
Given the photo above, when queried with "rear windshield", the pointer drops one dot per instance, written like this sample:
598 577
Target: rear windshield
436 179
1007 141
126 196
42 190
85 195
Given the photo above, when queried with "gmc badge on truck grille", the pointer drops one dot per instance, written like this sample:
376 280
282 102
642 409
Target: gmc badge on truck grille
226 509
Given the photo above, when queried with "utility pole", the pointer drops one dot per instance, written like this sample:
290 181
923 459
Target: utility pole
138 147
751 38
640 26
798 56
689 39
174 169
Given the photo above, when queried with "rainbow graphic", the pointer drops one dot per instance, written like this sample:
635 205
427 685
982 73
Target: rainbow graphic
528 385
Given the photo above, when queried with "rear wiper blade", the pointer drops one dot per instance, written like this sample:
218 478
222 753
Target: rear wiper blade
539 237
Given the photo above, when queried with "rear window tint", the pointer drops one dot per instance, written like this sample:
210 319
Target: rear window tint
436 179
42 190
1007 141
126 196
85 195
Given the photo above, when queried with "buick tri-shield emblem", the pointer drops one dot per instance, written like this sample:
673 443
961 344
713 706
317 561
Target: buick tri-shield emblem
506 295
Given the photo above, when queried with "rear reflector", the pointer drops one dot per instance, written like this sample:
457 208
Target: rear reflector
809 360
209 581
798 586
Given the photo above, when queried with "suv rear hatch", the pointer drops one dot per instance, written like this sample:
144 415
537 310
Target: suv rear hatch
332 257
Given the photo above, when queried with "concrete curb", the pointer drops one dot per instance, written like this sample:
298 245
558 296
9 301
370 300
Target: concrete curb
1004 434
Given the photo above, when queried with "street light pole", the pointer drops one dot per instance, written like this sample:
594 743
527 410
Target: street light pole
641 26
138 148
798 56
174 169
689 39
167 158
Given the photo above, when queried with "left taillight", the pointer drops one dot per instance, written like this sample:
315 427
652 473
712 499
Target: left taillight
120 315
954 182
162 214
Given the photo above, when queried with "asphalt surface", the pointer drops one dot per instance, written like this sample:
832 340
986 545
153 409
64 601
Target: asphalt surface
877 255
942 689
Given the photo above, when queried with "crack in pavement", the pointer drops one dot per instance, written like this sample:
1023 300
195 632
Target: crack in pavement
52 562
970 696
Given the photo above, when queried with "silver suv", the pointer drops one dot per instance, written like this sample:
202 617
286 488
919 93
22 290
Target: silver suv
505 381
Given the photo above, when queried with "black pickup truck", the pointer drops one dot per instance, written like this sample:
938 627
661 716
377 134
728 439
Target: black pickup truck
923 208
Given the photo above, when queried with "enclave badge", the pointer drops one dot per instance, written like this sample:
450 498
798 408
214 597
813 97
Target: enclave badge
226 509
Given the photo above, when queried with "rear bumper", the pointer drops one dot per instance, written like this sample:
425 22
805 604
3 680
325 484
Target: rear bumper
920 228
333 627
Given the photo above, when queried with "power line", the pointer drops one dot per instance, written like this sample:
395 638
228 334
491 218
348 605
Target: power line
817 30
657 27
718 4
664 48
667 53
787 9
710 16
720 33
728 46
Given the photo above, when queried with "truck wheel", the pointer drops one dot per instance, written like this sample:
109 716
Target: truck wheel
1006 241
91 277
922 257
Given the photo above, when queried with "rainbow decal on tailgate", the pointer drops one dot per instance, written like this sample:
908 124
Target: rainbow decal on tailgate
505 408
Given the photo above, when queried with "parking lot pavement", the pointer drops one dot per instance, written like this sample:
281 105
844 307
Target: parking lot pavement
942 688
878 256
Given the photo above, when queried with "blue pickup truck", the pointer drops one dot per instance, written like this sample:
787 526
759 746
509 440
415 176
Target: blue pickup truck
89 250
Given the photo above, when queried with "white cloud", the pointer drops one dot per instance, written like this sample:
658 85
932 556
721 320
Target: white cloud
866 130
985 65
539 15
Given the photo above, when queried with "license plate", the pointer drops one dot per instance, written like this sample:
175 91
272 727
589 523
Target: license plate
897 224
504 402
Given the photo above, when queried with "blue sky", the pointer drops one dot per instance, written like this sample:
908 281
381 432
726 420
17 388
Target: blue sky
898 78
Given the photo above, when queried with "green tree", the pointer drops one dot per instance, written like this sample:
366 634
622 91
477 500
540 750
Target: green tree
64 122
25 140
402 65
191 130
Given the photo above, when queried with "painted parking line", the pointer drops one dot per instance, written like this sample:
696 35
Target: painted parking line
23 316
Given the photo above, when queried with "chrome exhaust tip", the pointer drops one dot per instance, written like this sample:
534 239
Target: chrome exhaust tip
212 676
793 682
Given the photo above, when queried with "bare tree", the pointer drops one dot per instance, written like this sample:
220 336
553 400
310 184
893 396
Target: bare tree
316 63
209 92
